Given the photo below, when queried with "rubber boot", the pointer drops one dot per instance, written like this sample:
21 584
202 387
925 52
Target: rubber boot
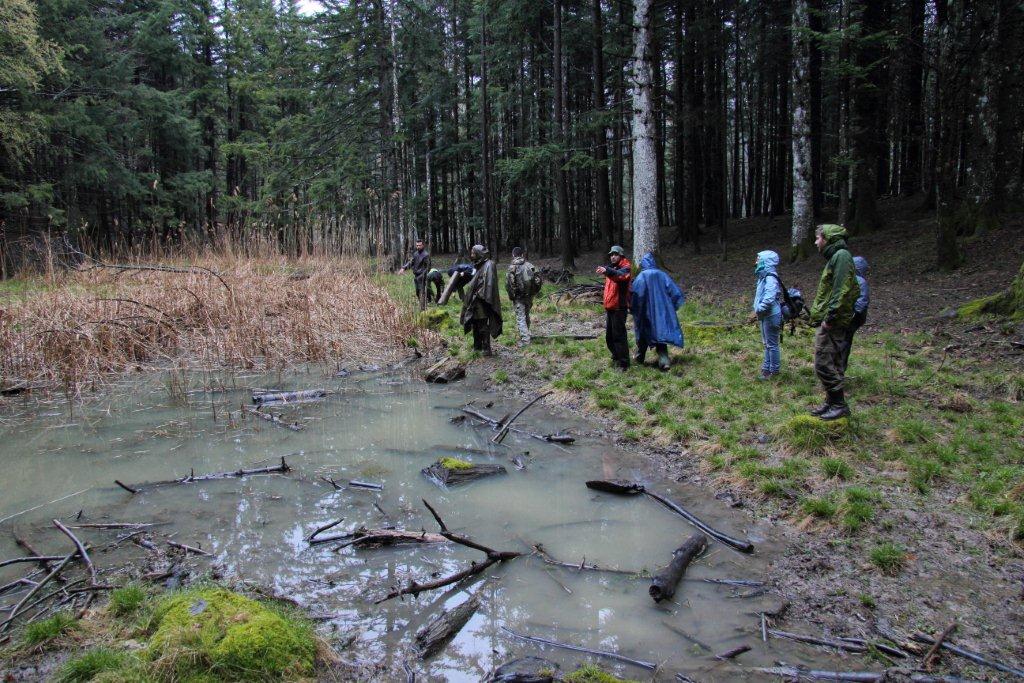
838 408
641 355
663 362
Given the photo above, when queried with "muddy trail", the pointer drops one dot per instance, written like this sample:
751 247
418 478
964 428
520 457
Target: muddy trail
355 454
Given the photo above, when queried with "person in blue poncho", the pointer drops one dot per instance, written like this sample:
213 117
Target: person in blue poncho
768 311
656 298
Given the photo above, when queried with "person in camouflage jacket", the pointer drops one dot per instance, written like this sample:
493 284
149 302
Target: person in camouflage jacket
833 311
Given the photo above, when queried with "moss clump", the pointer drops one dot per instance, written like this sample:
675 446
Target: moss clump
432 318
212 630
589 673
809 433
454 464
1009 302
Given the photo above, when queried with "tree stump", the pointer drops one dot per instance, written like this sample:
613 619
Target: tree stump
445 371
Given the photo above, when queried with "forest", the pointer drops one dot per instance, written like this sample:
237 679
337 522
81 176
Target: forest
357 125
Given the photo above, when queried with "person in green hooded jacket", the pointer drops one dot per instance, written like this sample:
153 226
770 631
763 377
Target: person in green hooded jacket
832 312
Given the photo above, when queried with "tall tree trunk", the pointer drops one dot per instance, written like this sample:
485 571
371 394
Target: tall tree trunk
867 101
949 91
1000 120
645 175
816 21
803 179
912 161
568 260
678 129
604 208
485 136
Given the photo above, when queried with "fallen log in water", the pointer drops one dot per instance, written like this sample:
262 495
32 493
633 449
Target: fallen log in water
445 371
731 654
192 477
663 585
445 626
41 559
452 472
188 549
632 488
273 419
494 422
20 607
493 557
650 666
796 674
503 430
367 538
262 397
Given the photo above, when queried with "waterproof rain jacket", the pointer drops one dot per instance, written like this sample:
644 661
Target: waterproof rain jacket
768 292
860 264
616 285
656 298
482 299
837 288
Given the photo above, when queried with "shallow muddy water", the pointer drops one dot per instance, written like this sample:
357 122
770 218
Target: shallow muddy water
385 429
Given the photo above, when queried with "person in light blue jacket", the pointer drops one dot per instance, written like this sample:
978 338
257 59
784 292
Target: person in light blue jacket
860 307
768 311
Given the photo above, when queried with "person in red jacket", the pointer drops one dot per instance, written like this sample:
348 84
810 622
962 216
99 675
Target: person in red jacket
616 304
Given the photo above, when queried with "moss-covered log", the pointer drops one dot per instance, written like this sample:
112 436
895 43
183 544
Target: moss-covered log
452 471
1009 302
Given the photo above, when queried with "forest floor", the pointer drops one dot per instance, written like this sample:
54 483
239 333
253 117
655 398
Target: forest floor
909 516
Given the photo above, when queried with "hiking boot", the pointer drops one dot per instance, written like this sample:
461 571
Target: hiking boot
821 410
835 412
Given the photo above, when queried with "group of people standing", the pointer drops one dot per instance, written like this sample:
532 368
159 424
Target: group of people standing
839 309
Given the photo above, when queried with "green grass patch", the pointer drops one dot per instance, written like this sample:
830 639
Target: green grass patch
101 663
835 468
889 557
808 433
47 629
820 507
126 600
500 377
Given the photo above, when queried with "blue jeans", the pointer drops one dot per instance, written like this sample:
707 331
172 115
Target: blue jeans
771 328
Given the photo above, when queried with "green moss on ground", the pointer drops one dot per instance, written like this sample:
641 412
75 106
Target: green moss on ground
214 630
807 433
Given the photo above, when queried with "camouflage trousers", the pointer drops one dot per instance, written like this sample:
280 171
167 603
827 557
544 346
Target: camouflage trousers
522 308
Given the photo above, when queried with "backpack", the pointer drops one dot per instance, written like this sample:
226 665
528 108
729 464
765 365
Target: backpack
523 280
793 305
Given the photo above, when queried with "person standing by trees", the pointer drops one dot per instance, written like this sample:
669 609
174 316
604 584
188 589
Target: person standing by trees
616 304
832 312
420 264
655 300
768 311
522 283
481 309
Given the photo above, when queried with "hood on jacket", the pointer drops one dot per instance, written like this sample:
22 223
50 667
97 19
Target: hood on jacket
518 260
833 232
860 264
648 262
767 262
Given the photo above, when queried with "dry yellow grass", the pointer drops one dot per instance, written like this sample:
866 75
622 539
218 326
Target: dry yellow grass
72 328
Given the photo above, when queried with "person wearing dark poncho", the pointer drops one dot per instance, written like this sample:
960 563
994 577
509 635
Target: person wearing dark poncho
481 309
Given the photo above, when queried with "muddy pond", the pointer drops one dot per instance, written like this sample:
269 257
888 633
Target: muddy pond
384 428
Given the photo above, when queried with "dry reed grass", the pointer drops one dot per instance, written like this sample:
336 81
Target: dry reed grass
73 328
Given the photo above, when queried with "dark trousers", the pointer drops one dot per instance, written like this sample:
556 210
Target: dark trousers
858 320
615 337
829 352
421 282
481 335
